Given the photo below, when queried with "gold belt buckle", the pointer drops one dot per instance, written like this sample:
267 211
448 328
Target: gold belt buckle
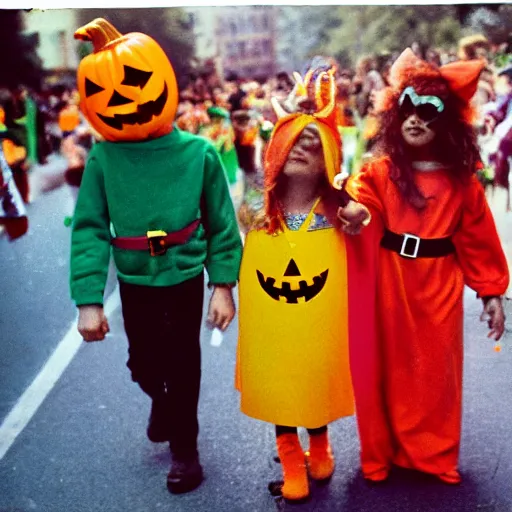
156 242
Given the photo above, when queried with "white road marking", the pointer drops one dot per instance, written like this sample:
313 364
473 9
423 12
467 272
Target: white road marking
34 395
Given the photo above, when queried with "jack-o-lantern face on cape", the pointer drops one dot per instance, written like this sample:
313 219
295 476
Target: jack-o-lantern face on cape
128 89
307 287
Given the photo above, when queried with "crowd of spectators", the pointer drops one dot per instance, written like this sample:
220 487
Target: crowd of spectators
236 114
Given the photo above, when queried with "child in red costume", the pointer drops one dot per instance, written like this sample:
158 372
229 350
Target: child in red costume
437 234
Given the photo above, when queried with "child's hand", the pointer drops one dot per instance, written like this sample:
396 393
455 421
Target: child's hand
92 322
354 217
490 123
221 309
493 313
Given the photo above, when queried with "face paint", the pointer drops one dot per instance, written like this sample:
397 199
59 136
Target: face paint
426 108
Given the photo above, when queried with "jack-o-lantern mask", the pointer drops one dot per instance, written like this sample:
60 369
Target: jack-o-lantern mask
292 273
127 87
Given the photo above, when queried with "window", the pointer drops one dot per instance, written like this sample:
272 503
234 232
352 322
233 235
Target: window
256 49
253 22
231 49
241 48
191 22
61 35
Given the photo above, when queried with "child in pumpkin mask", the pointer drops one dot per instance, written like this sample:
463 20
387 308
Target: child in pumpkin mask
436 234
159 196
295 291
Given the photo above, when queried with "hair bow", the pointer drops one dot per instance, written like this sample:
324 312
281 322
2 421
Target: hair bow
461 76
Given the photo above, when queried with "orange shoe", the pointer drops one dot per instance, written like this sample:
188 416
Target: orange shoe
450 477
295 486
319 457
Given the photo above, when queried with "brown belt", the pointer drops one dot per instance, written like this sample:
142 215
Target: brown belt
157 242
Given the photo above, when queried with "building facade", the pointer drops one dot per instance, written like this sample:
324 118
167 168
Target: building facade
246 40
55 28
241 39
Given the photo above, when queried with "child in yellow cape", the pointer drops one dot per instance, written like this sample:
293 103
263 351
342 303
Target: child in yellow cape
295 318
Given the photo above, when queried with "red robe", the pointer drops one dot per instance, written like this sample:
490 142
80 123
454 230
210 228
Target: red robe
408 384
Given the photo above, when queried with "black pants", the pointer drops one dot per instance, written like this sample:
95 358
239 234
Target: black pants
163 329
281 429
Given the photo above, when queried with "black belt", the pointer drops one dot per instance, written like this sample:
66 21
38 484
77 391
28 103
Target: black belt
412 246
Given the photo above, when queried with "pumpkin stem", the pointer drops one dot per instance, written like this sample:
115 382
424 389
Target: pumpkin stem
100 32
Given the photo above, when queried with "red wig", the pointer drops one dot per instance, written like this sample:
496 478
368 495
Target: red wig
455 143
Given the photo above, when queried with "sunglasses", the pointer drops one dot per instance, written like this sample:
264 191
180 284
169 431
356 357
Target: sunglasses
427 108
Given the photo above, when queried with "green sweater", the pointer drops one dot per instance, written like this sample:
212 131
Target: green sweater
160 184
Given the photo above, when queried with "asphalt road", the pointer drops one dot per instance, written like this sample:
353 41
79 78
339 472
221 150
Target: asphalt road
85 449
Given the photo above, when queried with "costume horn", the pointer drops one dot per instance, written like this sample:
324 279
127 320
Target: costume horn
278 109
289 105
406 61
462 77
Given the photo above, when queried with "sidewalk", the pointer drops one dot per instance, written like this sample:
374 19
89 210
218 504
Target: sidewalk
503 221
47 177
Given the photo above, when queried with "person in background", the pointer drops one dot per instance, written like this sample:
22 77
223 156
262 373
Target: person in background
15 153
13 215
499 121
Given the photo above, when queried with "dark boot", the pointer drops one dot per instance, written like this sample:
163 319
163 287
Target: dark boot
185 475
159 420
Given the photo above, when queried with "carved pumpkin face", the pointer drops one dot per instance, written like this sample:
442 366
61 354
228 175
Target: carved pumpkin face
305 287
128 88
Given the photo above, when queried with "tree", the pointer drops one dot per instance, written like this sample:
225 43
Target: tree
167 26
493 21
19 61
375 29
301 32
465 11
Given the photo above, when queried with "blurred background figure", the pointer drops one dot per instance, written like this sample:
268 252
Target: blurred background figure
474 47
14 144
13 217
499 121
